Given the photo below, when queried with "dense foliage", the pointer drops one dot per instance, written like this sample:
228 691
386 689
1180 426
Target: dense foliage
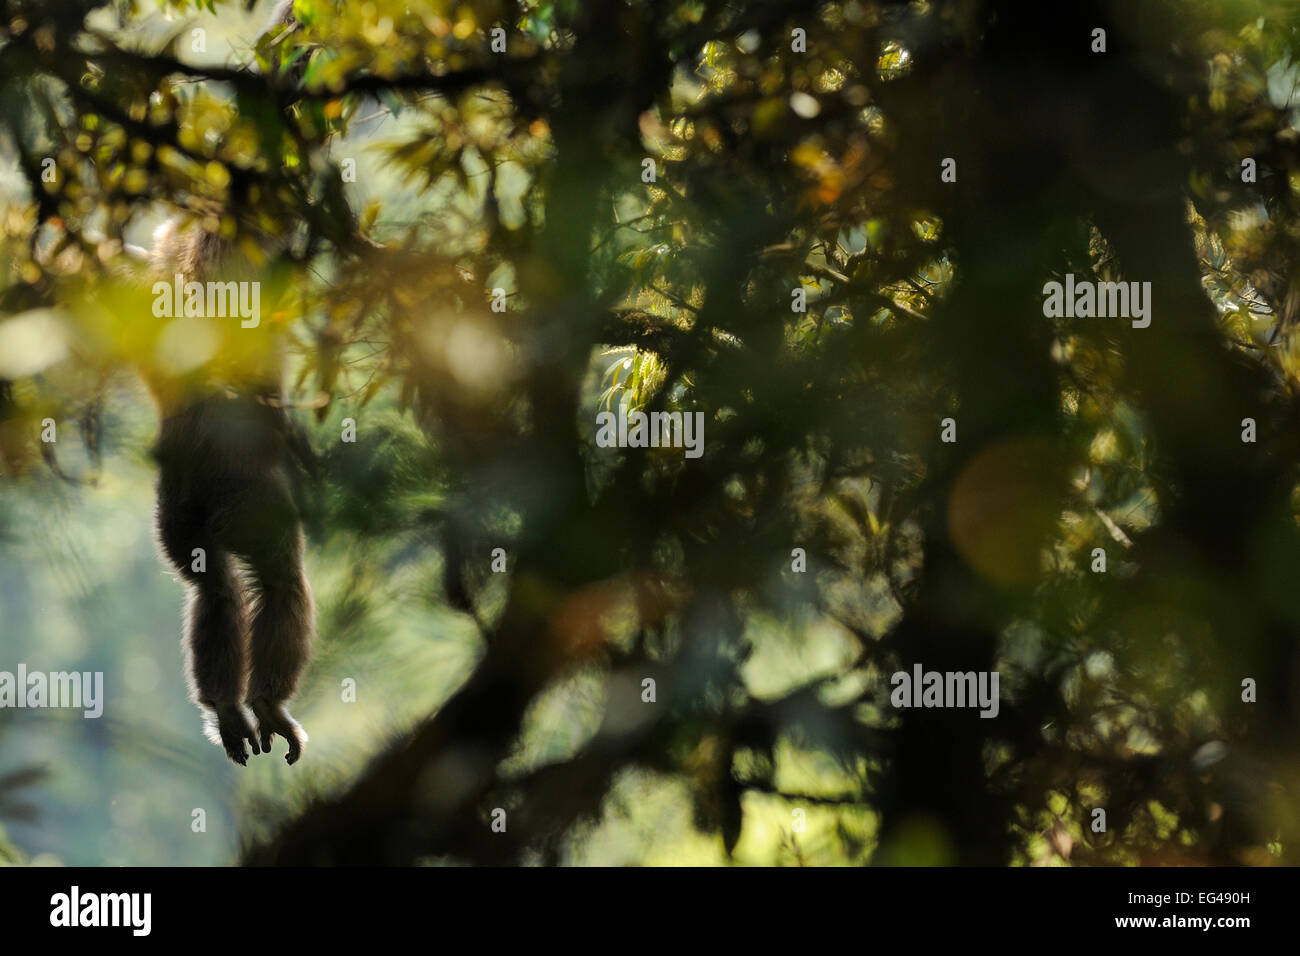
794 149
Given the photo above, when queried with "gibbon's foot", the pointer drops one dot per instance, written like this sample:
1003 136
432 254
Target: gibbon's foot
230 727
273 717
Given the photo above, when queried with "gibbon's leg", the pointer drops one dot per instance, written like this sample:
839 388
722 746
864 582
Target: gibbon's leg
284 621
215 638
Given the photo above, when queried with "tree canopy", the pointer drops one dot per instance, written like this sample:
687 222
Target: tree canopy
827 228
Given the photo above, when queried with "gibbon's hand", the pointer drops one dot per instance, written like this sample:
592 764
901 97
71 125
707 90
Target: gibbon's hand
230 727
273 717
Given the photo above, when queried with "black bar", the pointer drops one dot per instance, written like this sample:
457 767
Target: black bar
212 906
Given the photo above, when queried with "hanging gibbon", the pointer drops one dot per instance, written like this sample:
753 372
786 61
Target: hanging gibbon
228 519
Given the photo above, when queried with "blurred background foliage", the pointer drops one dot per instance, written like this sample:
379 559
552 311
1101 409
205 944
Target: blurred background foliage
389 170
